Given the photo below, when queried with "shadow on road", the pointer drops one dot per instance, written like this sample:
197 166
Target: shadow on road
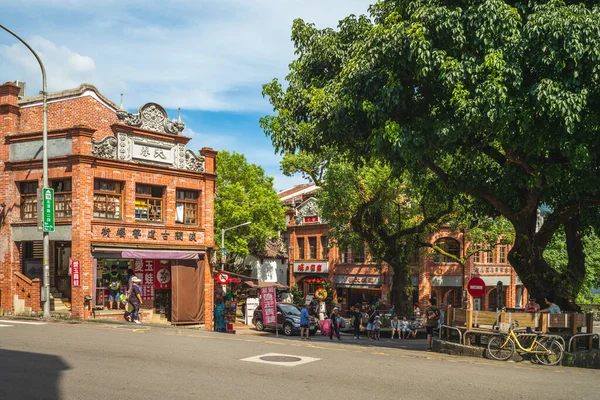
26 375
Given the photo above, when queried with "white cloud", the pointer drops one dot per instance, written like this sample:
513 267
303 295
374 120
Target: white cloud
209 55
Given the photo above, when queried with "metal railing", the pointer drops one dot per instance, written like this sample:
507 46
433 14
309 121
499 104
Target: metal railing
460 339
479 332
578 336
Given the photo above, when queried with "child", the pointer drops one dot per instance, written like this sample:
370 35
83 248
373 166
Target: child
396 327
376 327
404 329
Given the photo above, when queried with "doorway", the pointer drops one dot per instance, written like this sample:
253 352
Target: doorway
62 280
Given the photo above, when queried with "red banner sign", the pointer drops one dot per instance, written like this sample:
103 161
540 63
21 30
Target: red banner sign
75 273
311 220
162 275
268 305
144 269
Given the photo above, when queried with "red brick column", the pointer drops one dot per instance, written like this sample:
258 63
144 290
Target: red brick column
82 207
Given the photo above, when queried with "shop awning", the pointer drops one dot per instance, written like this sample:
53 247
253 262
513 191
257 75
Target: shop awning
166 254
492 281
446 281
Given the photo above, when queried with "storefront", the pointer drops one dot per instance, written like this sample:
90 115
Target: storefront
356 289
447 289
309 276
172 280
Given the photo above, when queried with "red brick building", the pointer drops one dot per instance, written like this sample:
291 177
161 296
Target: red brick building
356 278
128 194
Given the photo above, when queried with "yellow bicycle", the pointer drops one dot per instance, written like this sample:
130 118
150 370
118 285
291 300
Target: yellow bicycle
547 351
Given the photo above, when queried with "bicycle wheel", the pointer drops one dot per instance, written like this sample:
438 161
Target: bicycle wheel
501 348
551 352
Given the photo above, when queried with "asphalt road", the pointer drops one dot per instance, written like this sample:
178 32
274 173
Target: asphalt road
88 361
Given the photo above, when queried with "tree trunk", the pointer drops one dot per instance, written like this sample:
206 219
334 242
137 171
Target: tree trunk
401 290
541 279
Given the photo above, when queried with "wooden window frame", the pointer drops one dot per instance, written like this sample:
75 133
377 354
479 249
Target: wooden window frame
503 254
359 257
188 203
152 203
324 241
108 194
301 248
312 248
28 200
63 200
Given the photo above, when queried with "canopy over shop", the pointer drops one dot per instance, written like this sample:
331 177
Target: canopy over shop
173 280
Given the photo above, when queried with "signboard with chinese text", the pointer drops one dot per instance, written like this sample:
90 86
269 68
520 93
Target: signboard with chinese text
268 305
48 209
311 267
356 280
162 275
313 219
75 273
144 269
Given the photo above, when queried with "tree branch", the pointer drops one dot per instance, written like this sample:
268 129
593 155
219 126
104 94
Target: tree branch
560 217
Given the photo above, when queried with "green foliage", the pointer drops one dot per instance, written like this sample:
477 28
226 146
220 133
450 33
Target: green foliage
557 257
297 296
244 193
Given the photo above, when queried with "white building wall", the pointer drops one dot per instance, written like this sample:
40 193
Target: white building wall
269 270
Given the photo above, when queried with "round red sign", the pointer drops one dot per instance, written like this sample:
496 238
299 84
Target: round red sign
476 287
223 278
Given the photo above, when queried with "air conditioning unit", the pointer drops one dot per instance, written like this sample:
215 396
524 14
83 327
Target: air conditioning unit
22 85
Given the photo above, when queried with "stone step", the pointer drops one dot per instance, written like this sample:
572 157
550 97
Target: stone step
56 295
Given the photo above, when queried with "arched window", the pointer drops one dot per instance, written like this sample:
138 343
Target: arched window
450 246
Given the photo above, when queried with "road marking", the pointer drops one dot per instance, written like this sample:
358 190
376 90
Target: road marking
283 360
22 322
4 326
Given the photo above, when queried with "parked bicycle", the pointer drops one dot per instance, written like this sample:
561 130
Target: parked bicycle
547 351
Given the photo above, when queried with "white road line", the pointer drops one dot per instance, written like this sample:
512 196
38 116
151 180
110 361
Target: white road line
4 326
22 322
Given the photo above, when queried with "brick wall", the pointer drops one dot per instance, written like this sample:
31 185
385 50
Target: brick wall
82 119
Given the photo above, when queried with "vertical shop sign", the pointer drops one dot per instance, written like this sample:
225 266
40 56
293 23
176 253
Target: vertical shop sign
144 269
269 308
162 275
75 273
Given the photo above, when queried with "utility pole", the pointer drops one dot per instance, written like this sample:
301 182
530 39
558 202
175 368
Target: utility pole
46 239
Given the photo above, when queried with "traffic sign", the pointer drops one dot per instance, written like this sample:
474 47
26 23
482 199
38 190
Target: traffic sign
476 287
223 278
48 209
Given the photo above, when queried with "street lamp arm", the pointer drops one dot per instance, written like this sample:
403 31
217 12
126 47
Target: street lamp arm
237 226
39 60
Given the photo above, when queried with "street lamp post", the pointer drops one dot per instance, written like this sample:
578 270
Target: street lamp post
223 242
46 239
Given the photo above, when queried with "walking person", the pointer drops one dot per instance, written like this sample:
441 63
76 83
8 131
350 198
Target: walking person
357 321
304 322
335 319
135 299
114 288
396 327
432 313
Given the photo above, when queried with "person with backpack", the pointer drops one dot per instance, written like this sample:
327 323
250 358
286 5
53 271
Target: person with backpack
433 315
114 288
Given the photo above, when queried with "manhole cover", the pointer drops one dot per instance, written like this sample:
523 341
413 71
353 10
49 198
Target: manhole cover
284 360
280 359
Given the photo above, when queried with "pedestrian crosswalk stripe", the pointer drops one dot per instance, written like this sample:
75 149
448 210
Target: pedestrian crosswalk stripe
22 322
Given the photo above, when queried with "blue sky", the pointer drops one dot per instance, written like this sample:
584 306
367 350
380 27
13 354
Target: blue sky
208 57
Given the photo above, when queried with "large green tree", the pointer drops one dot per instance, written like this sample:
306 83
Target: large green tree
245 193
499 99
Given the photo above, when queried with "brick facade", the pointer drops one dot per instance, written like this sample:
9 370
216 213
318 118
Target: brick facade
85 117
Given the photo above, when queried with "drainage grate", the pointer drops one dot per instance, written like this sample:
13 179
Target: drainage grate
281 359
